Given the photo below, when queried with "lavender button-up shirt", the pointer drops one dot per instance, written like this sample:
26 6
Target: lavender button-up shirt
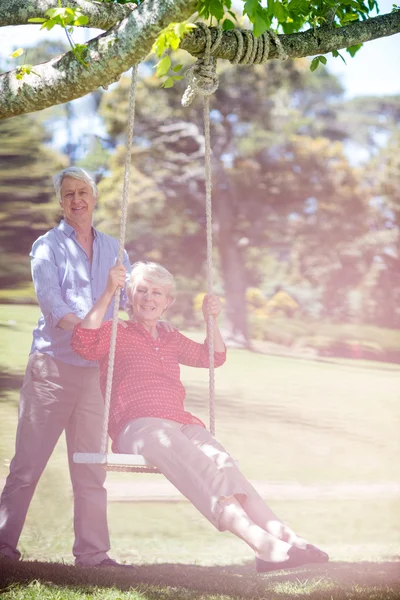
66 282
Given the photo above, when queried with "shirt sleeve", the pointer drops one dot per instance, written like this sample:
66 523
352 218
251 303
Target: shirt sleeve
193 354
47 287
92 344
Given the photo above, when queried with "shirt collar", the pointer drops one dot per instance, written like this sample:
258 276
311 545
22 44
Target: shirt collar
162 332
70 231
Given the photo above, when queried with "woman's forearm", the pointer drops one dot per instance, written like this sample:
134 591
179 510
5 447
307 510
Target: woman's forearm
95 316
219 345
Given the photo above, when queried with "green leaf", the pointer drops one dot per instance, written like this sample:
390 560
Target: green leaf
314 63
17 53
82 20
174 42
168 83
163 66
251 8
335 53
352 50
260 26
180 29
55 12
322 59
216 9
49 24
299 6
349 18
177 77
177 68
36 20
228 25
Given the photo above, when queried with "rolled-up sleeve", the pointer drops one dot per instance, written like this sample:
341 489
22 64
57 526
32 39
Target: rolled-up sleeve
193 354
47 285
92 344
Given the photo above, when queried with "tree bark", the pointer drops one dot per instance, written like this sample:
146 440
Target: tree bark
101 15
307 43
109 55
233 273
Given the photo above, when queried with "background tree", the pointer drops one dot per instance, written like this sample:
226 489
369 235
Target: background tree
27 204
279 188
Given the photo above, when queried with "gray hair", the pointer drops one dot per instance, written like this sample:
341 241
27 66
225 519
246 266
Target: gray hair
156 274
75 173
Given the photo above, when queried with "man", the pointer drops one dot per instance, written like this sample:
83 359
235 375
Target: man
61 391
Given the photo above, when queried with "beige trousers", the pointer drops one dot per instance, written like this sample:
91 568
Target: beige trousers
198 466
55 397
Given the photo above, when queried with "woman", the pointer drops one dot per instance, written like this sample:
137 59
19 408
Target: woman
147 414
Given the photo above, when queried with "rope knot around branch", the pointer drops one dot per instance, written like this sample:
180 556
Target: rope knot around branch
202 80
202 76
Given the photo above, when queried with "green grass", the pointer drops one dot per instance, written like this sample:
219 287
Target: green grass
317 424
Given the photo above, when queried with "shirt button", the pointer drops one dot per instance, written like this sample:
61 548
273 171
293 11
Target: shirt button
156 348
162 358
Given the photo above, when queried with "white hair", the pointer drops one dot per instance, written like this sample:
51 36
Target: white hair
75 173
153 272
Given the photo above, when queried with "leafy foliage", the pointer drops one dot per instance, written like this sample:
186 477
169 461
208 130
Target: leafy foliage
67 18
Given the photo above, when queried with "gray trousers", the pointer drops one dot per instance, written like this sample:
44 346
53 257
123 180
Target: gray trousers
55 397
200 468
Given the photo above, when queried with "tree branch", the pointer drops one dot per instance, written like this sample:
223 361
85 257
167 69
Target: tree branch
102 15
129 41
307 43
110 54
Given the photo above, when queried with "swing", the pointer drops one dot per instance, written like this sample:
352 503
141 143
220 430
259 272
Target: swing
202 80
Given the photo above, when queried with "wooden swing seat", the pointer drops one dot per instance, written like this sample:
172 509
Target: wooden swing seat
134 463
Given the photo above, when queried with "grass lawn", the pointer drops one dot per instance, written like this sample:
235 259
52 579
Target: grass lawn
311 424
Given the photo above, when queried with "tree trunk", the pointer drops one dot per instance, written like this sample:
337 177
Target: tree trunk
233 273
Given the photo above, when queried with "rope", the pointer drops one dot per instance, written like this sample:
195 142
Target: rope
256 50
203 80
122 230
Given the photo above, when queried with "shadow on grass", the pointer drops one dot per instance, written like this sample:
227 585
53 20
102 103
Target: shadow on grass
9 381
240 407
190 581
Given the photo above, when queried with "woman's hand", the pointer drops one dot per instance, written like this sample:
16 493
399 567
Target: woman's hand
116 278
212 307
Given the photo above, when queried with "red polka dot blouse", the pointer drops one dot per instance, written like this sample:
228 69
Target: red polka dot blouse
146 380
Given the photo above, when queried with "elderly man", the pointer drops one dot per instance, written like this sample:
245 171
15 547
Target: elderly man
61 391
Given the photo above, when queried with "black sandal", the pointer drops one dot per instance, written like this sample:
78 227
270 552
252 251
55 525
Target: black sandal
296 558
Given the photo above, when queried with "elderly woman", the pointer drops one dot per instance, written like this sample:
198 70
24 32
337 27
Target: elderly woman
147 414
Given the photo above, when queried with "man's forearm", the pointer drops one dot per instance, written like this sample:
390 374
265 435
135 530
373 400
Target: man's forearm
95 316
68 322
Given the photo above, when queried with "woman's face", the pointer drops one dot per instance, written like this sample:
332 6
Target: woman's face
148 301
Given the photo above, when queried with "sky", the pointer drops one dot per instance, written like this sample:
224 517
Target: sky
374 70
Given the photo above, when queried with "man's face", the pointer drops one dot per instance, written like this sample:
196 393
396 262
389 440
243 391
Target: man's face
77 201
